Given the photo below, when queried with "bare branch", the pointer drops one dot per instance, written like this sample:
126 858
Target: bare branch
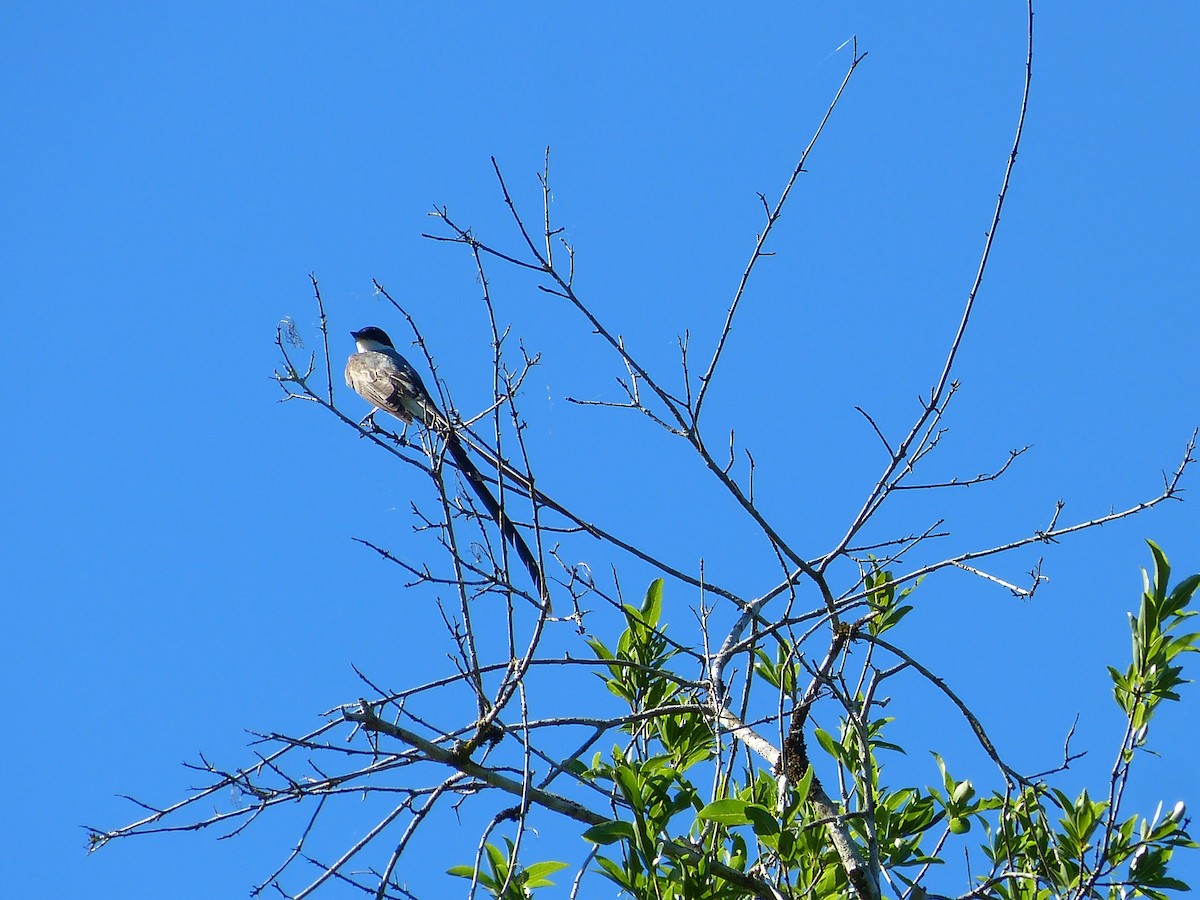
772 217
937 395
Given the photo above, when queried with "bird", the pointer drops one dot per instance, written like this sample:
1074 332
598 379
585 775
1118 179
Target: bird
385 379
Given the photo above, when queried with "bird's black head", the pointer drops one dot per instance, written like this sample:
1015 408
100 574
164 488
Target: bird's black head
373 334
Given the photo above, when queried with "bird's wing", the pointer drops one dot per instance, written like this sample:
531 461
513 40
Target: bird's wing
391 385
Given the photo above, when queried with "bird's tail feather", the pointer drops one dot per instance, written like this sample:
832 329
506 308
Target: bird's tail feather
507 529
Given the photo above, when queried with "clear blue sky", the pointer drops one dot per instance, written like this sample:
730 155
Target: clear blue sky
176 545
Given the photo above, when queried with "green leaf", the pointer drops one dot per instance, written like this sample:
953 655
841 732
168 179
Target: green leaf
1172 884
498 861
1183 593
828 744
616 873
804 785
609 832
729 811
599 649
576 767
652 605
535 874
630 786
1162 571
762 819
766 669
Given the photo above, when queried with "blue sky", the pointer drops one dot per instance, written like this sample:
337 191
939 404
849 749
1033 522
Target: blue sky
177 545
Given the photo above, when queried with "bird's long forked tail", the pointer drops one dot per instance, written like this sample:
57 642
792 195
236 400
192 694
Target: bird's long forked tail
507 528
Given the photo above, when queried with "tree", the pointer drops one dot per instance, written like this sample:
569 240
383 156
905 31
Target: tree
703 783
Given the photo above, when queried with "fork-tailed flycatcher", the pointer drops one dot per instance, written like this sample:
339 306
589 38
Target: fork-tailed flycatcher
384 378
